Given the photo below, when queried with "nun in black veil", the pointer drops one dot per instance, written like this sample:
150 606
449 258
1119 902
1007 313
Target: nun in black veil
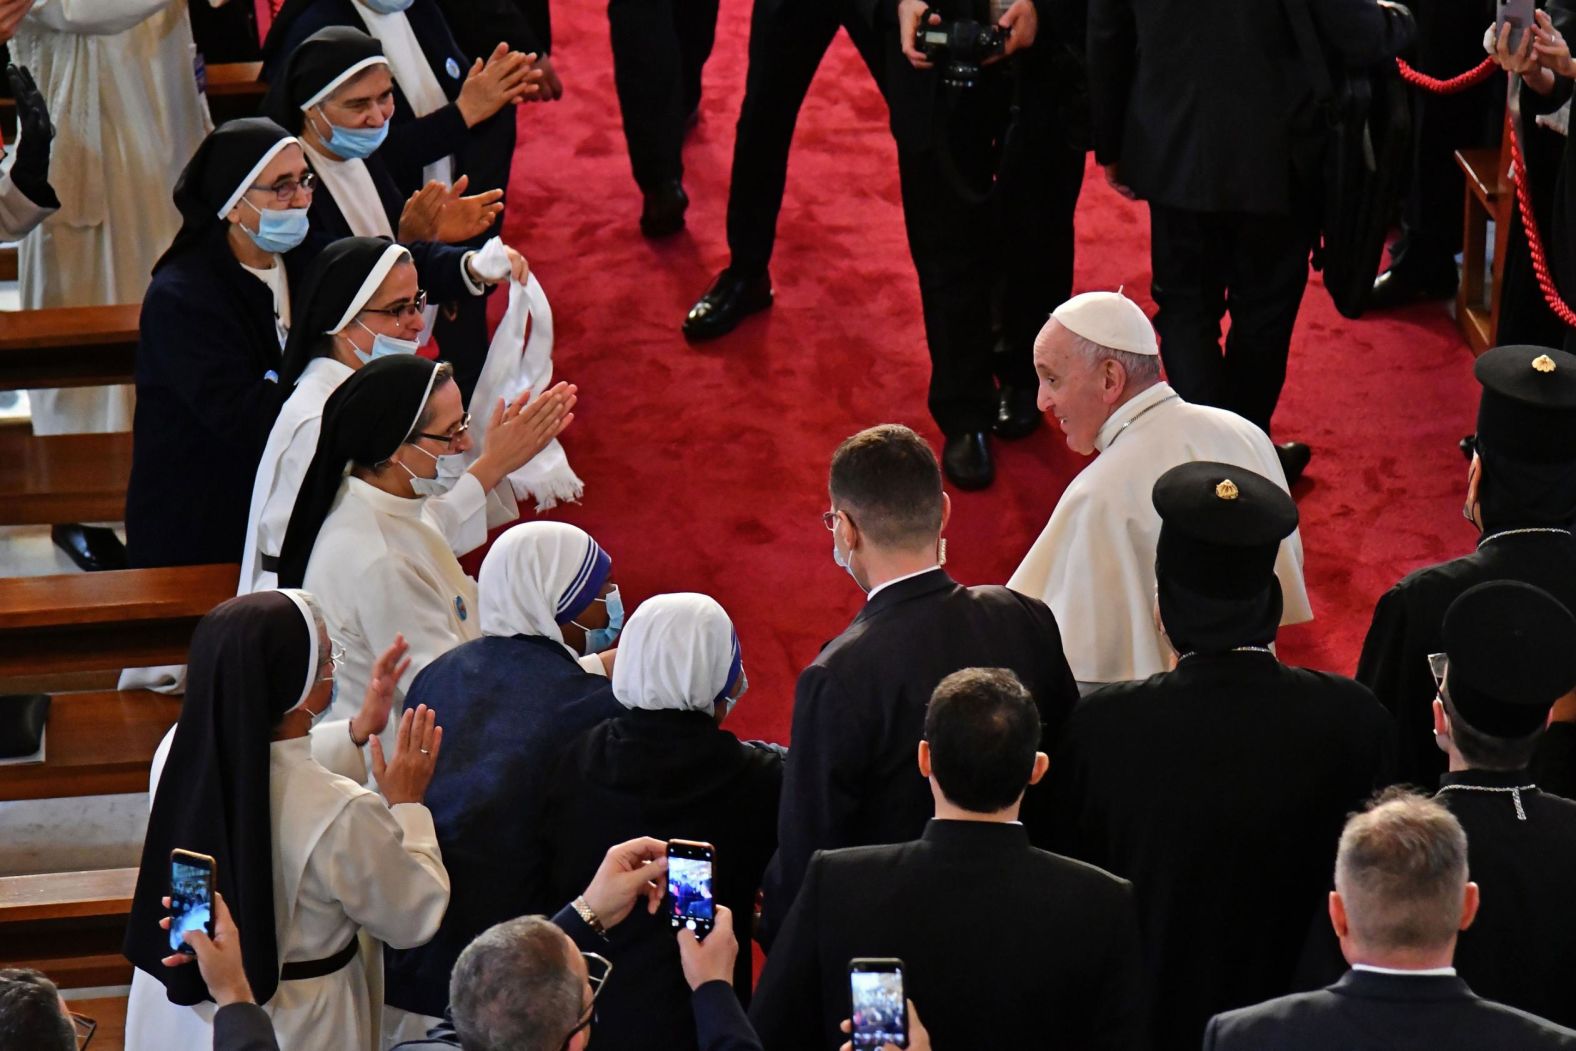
315 868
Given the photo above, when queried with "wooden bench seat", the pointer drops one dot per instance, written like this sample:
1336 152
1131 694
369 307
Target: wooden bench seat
70 925
68 346
129 618
98 743
235 89
62 478
110 1014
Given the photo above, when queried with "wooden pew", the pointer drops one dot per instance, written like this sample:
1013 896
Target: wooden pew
95 743
68 346
70 925
128 618
62 478
235 89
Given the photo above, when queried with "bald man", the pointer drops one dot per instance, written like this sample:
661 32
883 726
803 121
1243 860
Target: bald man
1094 564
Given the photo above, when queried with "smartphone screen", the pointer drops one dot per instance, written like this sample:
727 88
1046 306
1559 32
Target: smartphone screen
689 886
878 1011
191 897
1518 15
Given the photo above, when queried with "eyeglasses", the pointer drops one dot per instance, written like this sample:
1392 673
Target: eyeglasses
829 518
447 439
1438 664
332 660
84 1027
598 970
284 190
402 311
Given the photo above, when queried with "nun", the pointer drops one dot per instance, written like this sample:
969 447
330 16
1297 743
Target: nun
532 682
212 330
445 106
357 538
315 869
666 764
362 302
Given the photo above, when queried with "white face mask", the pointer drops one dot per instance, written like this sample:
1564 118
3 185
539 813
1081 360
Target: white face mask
450 468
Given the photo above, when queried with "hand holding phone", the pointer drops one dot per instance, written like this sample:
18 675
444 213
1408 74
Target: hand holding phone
191 897
878 1008
690 903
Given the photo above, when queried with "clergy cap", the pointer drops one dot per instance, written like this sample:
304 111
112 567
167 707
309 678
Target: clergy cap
1512 654
1110 320
1528 407
317 68
1220 528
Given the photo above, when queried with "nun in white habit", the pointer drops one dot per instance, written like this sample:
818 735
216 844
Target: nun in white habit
315 868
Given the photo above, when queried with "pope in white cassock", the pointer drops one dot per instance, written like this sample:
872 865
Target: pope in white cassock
1094 563
120 80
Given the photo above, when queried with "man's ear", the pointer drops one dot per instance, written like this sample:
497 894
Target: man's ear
1042 763
1338 918
1113 380
924 759
946 510
1469 905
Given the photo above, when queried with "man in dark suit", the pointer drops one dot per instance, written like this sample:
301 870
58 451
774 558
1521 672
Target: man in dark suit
1003 945
1521 493
1194 110
1401 897
1218 788
859 707
1509 654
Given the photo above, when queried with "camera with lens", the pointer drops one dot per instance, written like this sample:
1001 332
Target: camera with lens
959 46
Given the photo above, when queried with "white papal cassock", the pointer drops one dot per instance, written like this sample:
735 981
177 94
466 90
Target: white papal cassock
119 79
344 862
463 515
1094 563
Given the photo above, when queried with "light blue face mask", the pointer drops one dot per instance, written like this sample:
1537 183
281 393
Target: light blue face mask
599 640
354 143
278 229
388 7
744 687
450 468
383 346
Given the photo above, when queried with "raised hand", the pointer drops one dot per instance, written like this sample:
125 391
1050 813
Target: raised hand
419 219
519 431
461 218
404 778
505 78
381 688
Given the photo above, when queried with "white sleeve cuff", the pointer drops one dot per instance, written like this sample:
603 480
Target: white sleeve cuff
465 275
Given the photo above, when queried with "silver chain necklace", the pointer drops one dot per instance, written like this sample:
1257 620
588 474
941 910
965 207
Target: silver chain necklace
1515 793
1522 532
1145 411
1235 649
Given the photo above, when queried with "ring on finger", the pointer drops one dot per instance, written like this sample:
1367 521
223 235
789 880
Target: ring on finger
425 751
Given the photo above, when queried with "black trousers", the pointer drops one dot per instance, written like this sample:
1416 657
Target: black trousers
787 40
1206 264
659 50
992 270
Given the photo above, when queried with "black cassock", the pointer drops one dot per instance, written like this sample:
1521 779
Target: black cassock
1407 623
1521 950
1219 789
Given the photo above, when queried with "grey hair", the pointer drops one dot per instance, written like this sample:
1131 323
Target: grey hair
1140 368
1401 871
512 989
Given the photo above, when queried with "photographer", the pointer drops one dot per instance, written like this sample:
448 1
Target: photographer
986 143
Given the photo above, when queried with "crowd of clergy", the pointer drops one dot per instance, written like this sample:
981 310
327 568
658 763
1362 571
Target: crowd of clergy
1090 808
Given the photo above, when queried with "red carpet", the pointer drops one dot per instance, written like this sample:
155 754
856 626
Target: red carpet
706 469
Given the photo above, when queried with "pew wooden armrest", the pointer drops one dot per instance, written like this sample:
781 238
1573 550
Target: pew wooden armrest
69 925
66 895
99 743
68 346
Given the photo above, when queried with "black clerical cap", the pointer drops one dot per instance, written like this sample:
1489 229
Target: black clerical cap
1220 528
1528 408
316 69
1512 654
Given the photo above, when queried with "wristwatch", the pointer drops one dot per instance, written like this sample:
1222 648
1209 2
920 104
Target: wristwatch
590 918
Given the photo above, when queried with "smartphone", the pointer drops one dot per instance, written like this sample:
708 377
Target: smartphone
878 1008
689 886
1518 15
191 897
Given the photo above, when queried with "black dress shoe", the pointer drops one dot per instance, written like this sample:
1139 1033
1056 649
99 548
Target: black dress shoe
966 461
728 301
1294 457
92 548
1398 288
663 214
1017 414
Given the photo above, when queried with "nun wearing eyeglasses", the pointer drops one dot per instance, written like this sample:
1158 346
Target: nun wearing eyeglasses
514 697
363 302
665 764
315 869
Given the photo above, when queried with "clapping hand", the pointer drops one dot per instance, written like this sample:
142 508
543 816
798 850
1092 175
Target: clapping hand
404 779
551 87
379 698
505 78
11 14
219 958
516 432
918 1038
443 213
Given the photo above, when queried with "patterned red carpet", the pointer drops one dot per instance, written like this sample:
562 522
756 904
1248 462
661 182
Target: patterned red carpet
705 469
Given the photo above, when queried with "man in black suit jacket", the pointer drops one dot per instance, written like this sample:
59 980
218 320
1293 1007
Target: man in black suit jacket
859 708
1194 107
1401 897
1003 945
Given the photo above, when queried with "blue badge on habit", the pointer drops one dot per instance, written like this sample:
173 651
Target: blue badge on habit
454 71
459 605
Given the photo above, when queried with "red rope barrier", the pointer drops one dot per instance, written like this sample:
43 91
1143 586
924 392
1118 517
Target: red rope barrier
1471 78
